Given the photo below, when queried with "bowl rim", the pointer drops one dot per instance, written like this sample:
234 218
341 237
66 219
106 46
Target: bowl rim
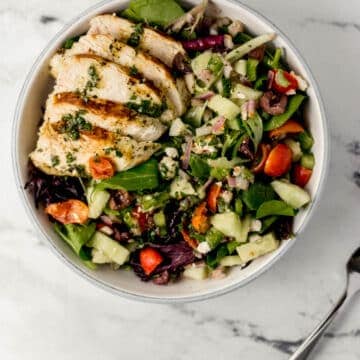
155 299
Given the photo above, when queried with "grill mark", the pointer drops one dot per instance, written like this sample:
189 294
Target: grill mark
96 133
98 107
132 80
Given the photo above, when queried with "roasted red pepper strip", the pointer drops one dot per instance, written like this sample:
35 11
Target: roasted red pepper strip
212 197
283 81
264 152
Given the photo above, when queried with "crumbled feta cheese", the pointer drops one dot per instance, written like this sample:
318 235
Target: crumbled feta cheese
254 237
205 145
255 225
237 171
171 152
235 28
241 183
290 92
203 247
242 171
178 128
213 31
302 84
227 196
180 188
168 168
203 149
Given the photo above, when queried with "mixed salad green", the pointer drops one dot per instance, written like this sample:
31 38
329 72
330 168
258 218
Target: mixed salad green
230 175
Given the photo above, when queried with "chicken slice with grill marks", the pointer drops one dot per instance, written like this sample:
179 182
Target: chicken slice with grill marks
155 43
106 114
93 76
139 62
65 154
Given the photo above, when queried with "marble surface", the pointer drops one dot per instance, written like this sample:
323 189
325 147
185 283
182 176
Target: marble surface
48 312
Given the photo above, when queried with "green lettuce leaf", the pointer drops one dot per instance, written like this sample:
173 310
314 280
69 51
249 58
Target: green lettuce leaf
76 236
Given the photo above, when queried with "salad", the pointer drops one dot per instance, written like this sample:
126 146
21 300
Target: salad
173 143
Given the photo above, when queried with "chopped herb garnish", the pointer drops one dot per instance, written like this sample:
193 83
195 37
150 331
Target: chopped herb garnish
117 152
215 64
147 108
135 36
92 83
133 71
68 44
70 158
73 124
226 83
55 160
79 169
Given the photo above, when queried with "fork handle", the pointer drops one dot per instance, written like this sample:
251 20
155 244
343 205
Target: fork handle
305 348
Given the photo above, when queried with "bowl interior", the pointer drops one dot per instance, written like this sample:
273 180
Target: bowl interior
27 119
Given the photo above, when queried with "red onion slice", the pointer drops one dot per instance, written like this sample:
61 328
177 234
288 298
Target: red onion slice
106 220
251 108
271 77
187 153
205 96
231 181
218 125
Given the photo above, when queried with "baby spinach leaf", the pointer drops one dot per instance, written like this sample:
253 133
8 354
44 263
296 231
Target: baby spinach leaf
213 258
257 194
142 177
68 44
274 207
76 236
254 128
159 12
267 222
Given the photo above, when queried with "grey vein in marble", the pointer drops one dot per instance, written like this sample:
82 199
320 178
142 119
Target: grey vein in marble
356 178
240 328
336 23
45 19
353 147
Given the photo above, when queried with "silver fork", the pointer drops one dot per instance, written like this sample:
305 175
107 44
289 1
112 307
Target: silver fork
352 287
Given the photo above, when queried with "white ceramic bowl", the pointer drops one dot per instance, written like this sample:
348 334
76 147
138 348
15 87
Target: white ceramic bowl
28 113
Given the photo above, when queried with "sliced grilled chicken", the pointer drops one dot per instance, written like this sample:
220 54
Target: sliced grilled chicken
57 153
93 76
106 114
148 67
156 44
